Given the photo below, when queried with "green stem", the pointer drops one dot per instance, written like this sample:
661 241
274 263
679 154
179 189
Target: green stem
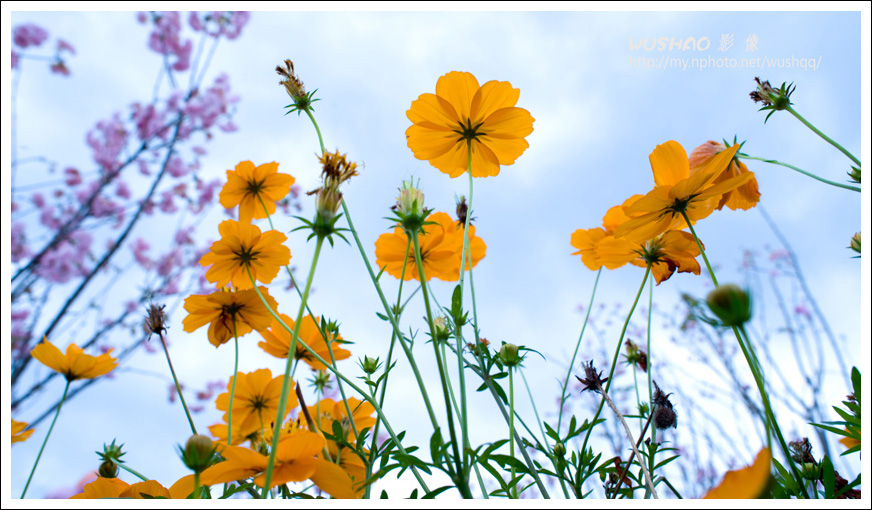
465 258
317 129
39 455
348 381
615 359
514 487
133 472
754 366
461 481
575 353
648 359
283 400
545 446
820 134
803 172
196 492
176 381
233 383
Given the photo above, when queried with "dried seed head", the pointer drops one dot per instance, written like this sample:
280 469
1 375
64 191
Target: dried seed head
800 451
292 84
155 319
664 414
592 381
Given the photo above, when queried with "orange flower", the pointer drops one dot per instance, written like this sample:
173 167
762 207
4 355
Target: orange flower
76 364
278 341
678 191
747 483
441 245
222 307
295 461
745 196
18 433
327 411
255 404
254 188
106 488
462 117
242 246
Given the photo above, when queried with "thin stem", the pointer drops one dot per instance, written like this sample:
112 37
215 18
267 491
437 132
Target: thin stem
317 129
348 381
283 400
233 383
575 353
133 472
648 480
545 446
39 455
648 355
820 134
803 172
465 259
512 429
176 381
615 359
633 455
701 249
439 363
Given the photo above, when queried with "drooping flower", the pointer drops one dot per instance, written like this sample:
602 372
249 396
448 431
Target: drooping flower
278 341
18 432
255 189
224 307
243 247
463 118
678 191
743 197
750 482
296 458
255 404
441 245
75 364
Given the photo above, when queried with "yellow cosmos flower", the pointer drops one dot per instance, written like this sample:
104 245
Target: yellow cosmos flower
243 246
221 308
75 364
678 191
745 196
337 480
750 482
462 117
278 342
254 187
327 411
441 245
104 488
296 458
18 433
255 404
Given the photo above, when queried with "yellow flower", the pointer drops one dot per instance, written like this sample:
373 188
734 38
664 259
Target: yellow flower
462 117
278 342
75 364
745 196
441 245
678 191
847 442
112 488
243 246
222 307
18 432
327 411
296 458
750 482
255 404
254 188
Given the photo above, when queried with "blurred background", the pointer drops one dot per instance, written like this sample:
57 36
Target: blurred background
605 90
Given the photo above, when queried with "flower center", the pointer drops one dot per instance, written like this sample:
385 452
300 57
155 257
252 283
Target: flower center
255 187
245 255
468 131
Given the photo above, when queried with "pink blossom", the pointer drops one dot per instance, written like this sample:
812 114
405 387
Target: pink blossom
65 46
131 306
67 260
60 67
164 39
148 121
194 21
122 190
168 262
38 200
14 60
183 236
143 167
802 310
28 34
47 217
166 204
199 151
139 248
204 109
171 287
107 140
142 17
72 177
176 167
19 249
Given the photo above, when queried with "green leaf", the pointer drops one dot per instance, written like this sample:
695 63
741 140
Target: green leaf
829 478
435 492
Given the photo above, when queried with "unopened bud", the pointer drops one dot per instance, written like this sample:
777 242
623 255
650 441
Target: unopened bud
108 469
410 200
811 471
440 325
198 453
730 304
509 355
559 449
370 365
855 242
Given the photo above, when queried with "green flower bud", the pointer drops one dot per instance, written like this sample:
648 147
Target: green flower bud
370 365
198 453
108 469
559 449
811 471
730 304
410 201
509 355
440 325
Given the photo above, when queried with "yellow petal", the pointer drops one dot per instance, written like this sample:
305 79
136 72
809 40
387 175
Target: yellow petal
747 483
458 88
669 163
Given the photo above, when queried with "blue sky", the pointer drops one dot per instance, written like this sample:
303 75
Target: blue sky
598 116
